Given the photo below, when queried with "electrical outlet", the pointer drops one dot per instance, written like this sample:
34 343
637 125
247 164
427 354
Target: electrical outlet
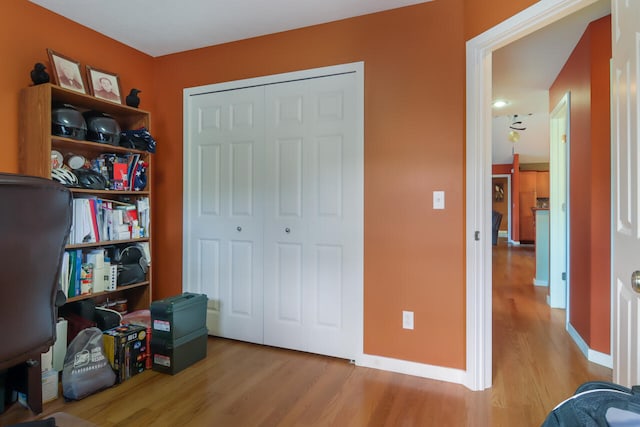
407 319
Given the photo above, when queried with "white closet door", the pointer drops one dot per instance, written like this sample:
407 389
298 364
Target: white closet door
223 209
313 217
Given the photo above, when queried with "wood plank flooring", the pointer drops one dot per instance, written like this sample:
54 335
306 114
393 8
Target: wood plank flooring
535 363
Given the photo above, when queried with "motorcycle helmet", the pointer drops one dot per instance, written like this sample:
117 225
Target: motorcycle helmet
88 178
102 128
67 121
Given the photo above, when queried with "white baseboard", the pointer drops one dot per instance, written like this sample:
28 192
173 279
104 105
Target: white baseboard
540 282
603 359
438 373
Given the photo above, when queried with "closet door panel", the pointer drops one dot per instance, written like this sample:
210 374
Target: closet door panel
223 209
319 114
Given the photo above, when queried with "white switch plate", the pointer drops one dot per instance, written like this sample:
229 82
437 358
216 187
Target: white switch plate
438 200
407 319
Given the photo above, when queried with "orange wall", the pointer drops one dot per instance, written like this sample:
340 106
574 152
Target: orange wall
414 144
586 76
26 32
481 15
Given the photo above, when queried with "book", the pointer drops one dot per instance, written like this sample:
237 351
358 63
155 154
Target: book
86 279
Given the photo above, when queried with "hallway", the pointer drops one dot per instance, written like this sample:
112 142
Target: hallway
535 362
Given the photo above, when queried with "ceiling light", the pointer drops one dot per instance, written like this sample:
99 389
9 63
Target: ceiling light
499 103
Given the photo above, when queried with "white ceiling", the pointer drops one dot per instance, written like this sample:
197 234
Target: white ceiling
522 71
161 27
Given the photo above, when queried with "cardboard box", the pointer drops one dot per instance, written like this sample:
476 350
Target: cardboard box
50 381
127 350
46 360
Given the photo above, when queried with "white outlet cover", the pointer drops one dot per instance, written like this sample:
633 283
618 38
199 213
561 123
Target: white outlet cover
438 200
407 319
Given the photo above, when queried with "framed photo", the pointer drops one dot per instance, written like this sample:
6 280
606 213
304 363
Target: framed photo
66 72
104 85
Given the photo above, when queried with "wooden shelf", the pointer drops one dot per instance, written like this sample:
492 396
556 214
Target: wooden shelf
106 293
105 243
75 144
113 193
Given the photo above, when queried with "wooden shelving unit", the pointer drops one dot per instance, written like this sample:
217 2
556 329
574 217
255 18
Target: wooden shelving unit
37 143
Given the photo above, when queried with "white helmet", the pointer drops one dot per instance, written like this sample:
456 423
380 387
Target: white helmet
64 176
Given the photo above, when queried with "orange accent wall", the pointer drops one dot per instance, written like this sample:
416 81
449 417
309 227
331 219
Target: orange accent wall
414 144
481 15
26 32
586 77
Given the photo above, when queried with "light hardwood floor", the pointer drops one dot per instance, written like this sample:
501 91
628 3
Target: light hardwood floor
535 363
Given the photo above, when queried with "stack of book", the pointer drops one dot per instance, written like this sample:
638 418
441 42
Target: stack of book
98 220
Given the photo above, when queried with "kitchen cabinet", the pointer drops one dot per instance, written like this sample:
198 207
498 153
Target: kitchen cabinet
533 186
542 184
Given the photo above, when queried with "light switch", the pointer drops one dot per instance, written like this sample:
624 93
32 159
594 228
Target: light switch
438 200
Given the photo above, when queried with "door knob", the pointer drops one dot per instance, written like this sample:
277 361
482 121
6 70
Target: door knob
239 228
635 281
287 230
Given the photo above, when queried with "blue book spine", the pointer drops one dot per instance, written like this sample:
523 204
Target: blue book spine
78 271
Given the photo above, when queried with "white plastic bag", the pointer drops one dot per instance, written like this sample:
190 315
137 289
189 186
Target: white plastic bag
86 369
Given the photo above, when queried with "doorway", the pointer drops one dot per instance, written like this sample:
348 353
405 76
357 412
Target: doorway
501 202
478 220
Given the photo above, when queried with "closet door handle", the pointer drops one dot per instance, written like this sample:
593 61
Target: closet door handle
239 228
287 230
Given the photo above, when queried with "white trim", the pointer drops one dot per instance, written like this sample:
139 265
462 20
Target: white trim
478 173
412 368
353 67
357 67
558 232
538 282
594 356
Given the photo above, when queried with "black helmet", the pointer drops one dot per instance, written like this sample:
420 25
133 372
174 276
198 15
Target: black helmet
88 178
102 127
67 121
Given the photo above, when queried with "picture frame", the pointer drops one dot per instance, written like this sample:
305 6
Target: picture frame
66 72
104 85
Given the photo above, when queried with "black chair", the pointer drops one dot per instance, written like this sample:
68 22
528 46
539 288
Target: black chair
496 220
35 219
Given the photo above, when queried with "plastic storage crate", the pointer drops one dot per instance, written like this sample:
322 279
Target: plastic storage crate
174 317
171 357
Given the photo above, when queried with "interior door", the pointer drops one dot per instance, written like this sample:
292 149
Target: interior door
558 207
223 209
313 217
626 201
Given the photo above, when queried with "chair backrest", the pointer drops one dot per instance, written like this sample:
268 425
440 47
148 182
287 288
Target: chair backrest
35 219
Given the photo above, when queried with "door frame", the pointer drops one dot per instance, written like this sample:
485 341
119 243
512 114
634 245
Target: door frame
559 240
508 176
355 67
479 52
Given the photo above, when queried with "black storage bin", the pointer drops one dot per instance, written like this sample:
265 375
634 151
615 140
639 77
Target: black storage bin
172 356
174 317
